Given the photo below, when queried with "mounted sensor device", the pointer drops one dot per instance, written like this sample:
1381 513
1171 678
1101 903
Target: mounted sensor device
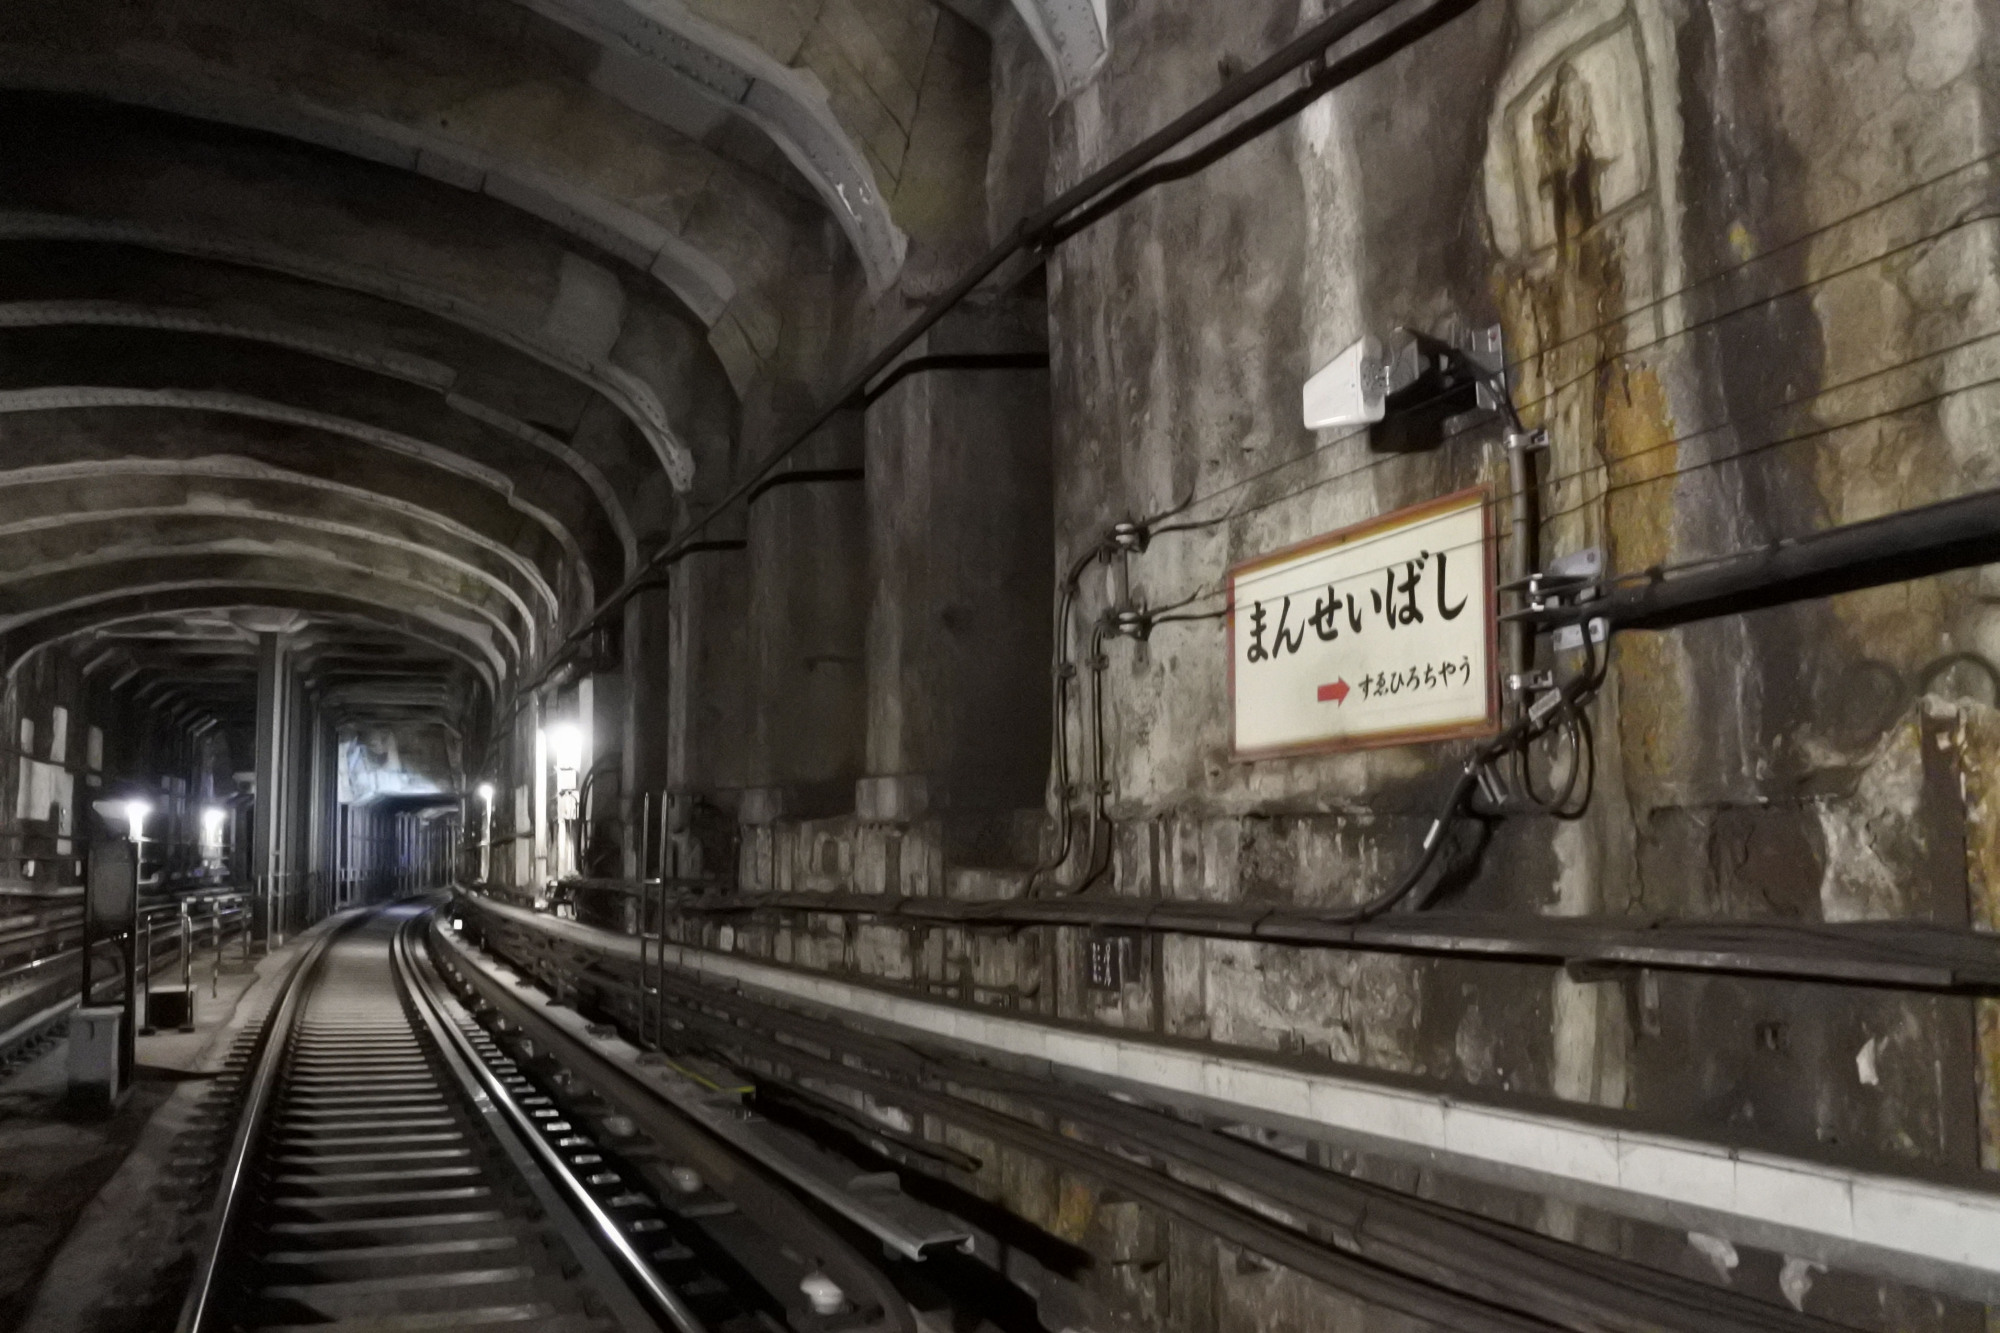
1405 389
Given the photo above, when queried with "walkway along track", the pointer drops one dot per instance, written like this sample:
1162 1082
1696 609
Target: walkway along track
398 1168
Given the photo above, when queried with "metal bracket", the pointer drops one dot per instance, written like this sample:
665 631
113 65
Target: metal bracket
1529 682
1568 581
1569 638
1486 350
1539 710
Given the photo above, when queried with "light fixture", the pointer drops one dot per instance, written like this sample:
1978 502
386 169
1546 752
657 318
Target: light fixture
135 817
486 792
566 745
212 820
1350 390
1406 387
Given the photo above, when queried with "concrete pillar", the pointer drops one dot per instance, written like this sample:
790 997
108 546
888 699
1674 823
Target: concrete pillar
539 783
808 549
317 774
710 693
267 835
648 717
604 812
961 508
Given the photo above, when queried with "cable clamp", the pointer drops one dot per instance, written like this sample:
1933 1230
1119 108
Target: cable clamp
1529 682
1568 581
1569 638
1539 710
1132 624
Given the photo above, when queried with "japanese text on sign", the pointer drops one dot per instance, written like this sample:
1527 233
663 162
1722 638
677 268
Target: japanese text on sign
1378 633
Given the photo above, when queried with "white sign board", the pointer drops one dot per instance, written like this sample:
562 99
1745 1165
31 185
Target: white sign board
1379 634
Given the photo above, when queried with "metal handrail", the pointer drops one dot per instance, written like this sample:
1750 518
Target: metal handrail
226 1210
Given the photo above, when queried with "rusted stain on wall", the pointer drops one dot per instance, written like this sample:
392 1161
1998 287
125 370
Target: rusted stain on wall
1979 766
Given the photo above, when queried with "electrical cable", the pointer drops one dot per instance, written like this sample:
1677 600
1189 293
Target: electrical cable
1522 361
1678 442
1034 232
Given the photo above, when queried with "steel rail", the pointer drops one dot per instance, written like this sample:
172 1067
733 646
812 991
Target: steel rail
1390 1246
1905 955
228 1207
734 1168
541 1166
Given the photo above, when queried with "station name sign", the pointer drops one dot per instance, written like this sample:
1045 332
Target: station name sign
1378 634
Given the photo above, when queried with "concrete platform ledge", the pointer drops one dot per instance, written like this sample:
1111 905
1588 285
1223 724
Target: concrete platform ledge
1913 1230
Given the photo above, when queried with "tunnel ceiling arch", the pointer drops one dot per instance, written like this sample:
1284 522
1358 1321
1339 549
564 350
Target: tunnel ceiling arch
422 329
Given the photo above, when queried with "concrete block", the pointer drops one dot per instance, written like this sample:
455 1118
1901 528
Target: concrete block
1783 1193
1395 1116
1926 1220
1534 1143
1679 1170
94 1037
897 798
760 806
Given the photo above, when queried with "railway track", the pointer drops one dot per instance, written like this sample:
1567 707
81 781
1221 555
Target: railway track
402 1163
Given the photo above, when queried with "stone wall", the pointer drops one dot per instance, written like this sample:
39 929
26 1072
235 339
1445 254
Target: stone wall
1745 280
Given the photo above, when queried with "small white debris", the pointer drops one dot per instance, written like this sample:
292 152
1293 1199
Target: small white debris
1717 1251
1795 1279
825 1294
685 1180
619 1127
1864 1063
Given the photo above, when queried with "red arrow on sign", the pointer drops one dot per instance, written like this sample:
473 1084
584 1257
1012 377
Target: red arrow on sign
1335 693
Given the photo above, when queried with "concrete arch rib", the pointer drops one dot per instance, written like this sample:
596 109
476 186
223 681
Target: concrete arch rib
696 280
410 369
107 614
232 468
85 396
1073 36
647 40
475 646
107 566
75 525
632 397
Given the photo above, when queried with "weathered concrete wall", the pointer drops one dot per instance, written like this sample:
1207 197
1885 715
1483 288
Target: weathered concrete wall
528 310
1734 253
959 496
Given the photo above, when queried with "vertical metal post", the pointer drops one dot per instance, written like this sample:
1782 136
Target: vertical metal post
215 938
645 852
649 1027
660 846
143 978
187 964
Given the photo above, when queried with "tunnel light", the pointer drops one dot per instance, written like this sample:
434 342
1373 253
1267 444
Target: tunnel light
1350 390
566 744
213 819
135 817
486 792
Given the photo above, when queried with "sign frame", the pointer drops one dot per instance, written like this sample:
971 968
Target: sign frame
1477 730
